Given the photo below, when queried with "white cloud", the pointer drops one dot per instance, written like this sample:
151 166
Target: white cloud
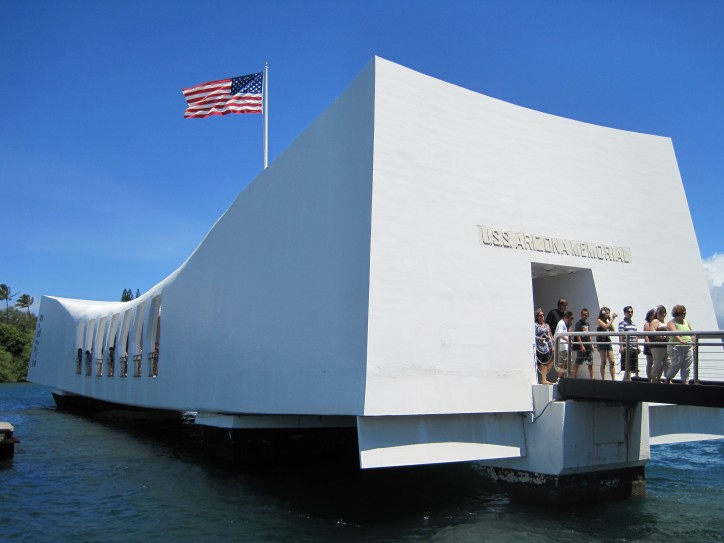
714 268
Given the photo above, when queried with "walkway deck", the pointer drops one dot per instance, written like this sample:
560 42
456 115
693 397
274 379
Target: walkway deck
704 394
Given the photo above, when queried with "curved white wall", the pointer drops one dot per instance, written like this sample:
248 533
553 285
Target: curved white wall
351 277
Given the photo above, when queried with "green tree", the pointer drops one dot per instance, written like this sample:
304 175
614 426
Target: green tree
16 344
8 371
25 301
25 322
127 295
12 339
5 294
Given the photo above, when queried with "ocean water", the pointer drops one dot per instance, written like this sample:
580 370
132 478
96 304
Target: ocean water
79 479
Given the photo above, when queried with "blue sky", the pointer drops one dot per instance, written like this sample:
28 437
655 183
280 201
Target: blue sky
106 186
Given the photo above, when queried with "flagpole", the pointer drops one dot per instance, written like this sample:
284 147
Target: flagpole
265 103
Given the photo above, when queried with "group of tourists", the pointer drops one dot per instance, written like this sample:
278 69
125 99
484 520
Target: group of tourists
666 355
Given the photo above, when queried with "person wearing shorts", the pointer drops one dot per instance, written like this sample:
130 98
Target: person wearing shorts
604 323
544 347
583 345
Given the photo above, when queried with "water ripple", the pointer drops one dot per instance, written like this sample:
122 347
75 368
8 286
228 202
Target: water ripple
84 480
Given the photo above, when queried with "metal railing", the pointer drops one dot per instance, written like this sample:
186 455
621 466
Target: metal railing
87 361
707 345
137 358
123 361
153 364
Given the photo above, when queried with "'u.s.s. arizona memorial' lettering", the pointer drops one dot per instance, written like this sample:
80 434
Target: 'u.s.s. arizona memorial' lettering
523 241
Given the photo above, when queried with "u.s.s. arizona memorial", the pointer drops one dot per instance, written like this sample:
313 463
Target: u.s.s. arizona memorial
382 274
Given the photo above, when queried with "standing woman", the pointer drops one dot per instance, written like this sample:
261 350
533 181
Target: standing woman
543 346
658 345
679 346
604 323
650 314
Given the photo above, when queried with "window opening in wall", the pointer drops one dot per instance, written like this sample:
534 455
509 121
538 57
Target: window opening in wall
137 361
124 340
98 346
124 359
112 359
138 340
155 336
123 363
80 332
89 347
112 336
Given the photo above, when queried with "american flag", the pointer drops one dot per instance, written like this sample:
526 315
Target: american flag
235 95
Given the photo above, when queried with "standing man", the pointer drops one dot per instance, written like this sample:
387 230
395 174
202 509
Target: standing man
584 353
563 343
630 356
555 315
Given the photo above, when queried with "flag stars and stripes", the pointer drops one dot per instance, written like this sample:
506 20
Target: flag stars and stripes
235 95
247 83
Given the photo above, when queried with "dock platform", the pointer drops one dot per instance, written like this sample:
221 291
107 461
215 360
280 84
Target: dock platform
7 440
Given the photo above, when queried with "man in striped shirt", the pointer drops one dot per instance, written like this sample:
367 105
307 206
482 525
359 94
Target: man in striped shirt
629 356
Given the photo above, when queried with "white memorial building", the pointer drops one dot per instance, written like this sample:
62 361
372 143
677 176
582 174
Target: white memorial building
382 273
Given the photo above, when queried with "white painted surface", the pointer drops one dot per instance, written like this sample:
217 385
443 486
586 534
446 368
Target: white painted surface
432 439
680 423
567 437
269 315
350 278
449 313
